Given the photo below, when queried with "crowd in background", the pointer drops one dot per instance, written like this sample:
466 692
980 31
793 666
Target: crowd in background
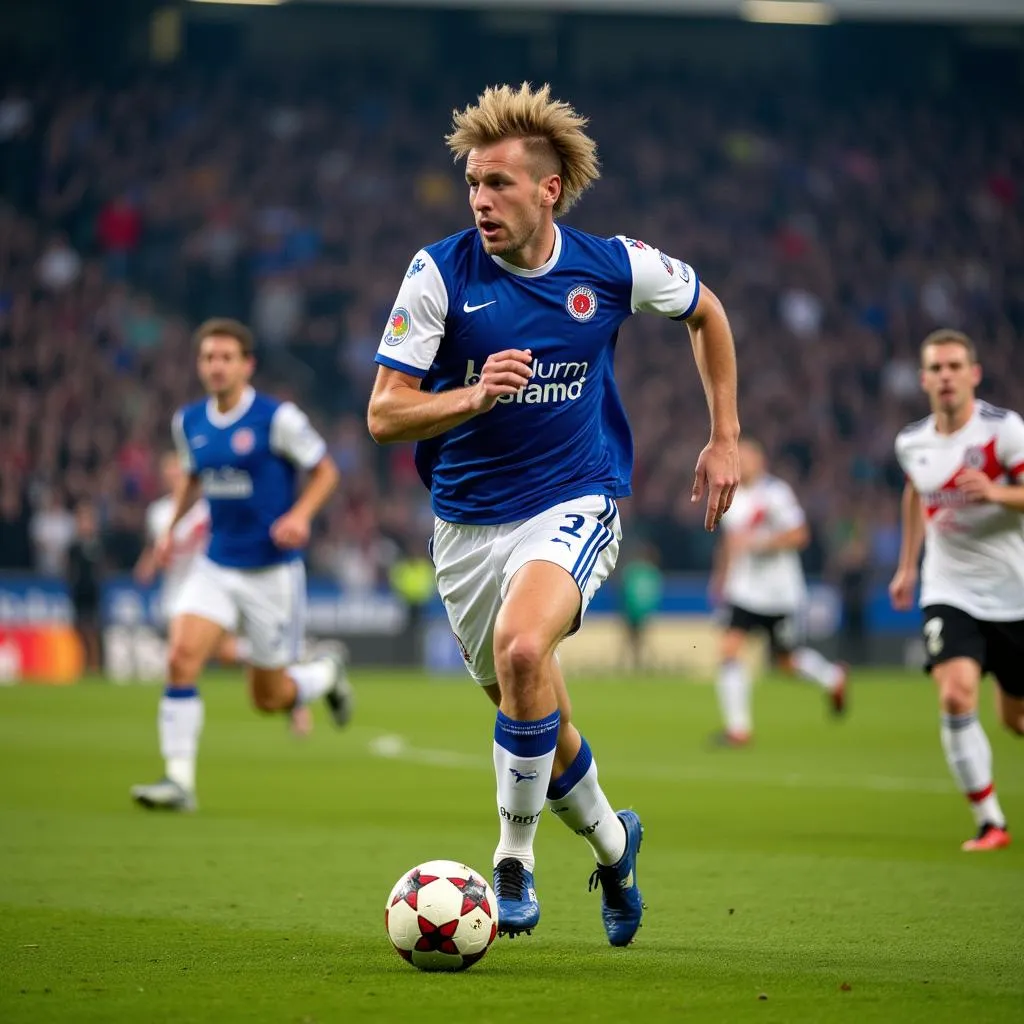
837 231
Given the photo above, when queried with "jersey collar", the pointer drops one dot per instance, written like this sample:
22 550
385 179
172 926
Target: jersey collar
537 271
226 419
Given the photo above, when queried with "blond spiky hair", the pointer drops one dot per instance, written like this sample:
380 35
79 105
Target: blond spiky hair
502 112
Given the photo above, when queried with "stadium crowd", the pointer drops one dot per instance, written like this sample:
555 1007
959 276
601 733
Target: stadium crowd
838 232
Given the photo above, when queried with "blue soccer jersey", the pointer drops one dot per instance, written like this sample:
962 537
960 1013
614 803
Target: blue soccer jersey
565 434
246 460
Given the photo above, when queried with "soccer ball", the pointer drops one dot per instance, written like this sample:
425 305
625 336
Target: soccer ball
441 916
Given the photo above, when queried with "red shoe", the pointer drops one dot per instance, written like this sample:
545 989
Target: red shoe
837 695
989 837
730 739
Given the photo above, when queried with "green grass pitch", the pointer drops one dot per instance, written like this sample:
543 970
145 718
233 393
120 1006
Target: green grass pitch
813 877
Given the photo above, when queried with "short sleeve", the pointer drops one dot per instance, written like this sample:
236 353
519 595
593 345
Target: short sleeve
661 284
416 324
785 509
181 445
293 436
1010 445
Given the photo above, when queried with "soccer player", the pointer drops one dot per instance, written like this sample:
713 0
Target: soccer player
758 574
241 450
497 359
188 540
963 501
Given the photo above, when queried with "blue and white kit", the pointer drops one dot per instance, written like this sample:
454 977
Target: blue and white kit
536 477
247 462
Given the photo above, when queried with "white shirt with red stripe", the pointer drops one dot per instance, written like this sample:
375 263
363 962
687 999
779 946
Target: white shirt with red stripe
974 552
189 539
770 582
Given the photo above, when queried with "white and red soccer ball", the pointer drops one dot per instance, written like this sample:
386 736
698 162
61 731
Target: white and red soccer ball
441 916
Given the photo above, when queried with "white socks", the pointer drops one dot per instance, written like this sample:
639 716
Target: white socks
180 723
817 668
969 757
733 689
312 679
579 802
523 755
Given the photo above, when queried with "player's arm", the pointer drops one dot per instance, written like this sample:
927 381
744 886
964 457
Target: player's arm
292 437
187 491
400 411
671 288
904 582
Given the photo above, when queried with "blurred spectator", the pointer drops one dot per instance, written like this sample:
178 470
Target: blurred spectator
52 531
16 551
84 576
59 266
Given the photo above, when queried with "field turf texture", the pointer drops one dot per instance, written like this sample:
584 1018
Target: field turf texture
815 876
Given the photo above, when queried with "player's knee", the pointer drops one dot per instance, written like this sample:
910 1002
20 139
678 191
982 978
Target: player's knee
958 696
521 653
1013 719
184 662
266 702
732 645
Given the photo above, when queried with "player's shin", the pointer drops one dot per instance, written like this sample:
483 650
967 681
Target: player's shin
969 757
180 723
577 800
524 752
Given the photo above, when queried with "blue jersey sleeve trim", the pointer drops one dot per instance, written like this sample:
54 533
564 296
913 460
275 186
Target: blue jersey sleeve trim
693 304
394 364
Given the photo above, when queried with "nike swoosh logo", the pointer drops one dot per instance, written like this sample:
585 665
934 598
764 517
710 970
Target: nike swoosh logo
467 308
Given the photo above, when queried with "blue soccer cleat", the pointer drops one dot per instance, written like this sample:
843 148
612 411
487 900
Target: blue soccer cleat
622 907
518 909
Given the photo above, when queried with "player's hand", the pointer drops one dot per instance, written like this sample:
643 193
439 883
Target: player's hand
291 531
902 588
718 476
974 485
504 373
145 571
162 550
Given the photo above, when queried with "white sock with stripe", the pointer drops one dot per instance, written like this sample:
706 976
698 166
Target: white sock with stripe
179 724
969 757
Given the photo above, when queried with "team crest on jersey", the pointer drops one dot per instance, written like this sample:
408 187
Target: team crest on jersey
635 243
667 264
581 303
243 441
974 458
399 325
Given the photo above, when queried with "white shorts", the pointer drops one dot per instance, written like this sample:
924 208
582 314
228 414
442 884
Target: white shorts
267 605
475 565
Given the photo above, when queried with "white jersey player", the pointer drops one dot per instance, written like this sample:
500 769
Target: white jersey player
497 359
964 503
759 576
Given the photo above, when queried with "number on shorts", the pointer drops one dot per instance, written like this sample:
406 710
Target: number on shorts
574 530
933 639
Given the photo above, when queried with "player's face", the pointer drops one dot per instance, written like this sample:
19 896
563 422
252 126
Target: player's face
751 462
223 368
949 377
510 203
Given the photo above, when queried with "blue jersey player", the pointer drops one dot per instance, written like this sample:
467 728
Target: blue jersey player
497 360
242 452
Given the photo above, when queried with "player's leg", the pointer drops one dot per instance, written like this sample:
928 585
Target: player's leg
193 638
956 649
233 650
733 684
795 658
273 607
1011 710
